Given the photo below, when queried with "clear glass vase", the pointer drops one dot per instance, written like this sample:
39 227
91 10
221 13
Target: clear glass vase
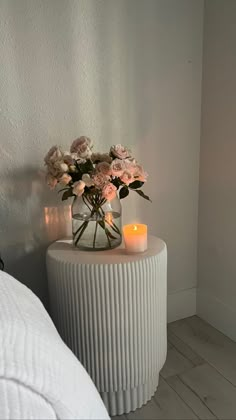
96 222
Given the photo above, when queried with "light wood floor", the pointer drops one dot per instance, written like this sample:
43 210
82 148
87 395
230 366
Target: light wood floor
198 380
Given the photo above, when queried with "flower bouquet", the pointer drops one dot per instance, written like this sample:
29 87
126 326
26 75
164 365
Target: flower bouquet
94 179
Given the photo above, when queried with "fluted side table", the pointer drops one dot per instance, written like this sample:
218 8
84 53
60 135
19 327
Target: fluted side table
110 308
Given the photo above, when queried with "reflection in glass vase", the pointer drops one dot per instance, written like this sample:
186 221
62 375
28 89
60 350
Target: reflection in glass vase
96 222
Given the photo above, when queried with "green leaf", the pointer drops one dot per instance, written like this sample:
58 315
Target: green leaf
116 182
84 226
87 167
62 189
136 184
76 176
101 223
141 193
109 234
123 192
68 193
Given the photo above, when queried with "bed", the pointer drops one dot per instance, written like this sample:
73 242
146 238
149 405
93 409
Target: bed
40 378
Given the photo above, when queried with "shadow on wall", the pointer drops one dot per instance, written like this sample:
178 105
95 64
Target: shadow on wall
38 102
30 220
71 68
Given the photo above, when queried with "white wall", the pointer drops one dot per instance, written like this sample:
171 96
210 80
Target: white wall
117 71
217 200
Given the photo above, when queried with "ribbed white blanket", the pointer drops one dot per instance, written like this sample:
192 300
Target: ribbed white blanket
40 378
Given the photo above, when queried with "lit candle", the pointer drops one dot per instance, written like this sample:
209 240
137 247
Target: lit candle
135 237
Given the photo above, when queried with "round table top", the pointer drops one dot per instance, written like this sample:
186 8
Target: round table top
64 250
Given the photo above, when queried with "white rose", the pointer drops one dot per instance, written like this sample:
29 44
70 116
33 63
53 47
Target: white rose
72 168
87 180
78 188
62 167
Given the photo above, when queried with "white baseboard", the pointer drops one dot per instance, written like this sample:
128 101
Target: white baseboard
217 313
181 304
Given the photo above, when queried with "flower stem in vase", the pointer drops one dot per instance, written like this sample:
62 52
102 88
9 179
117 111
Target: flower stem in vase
95 234
97 182
81 229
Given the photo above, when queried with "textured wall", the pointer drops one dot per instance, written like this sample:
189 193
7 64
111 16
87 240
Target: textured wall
117 71
217 200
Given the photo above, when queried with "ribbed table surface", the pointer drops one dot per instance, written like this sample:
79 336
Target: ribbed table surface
63 250
110 308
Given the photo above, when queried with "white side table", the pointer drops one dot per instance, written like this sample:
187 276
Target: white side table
110 308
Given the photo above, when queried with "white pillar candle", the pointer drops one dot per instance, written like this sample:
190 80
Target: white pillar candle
135 237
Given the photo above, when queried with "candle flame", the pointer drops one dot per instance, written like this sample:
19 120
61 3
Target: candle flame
135 227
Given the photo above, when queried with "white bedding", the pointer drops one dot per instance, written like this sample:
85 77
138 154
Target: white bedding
40 378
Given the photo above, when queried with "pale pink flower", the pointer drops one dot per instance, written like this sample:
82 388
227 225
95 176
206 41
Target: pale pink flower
127 178
104 168
87 180
82 146
117 167
119 151
109 191
69 158
100 179
78 188
61 166
140 174
54 171
51 181
65 179
101 157
130 165
53 155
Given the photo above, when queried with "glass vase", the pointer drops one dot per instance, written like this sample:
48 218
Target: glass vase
96 222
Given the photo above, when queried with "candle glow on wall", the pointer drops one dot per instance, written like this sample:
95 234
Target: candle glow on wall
56 220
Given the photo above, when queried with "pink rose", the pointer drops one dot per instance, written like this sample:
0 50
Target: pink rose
104 168
101 157
53 155
119 151
100 180
140 174
78 188
69 159
127 178
117 167
82 146
130 165
109 191
65 179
